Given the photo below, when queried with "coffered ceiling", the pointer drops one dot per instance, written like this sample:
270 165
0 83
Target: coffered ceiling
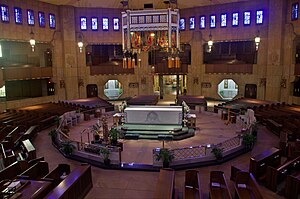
138 4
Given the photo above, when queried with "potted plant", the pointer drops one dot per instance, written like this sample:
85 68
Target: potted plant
248 140
218 152
113 136
166 156
105 154
67 148
53 134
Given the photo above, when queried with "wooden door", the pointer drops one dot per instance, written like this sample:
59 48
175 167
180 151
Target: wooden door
250 91
92 90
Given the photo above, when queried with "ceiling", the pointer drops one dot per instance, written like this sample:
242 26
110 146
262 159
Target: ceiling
137 4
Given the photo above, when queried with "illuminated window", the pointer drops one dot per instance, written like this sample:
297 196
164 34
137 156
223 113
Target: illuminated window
83 25
247 17
182 24
104 23
18 16
30 17
223 20
0 50
4 13
295 10
259 17
235 19
212 21
192 23
52 23
42 19
202 22
116 24
94 23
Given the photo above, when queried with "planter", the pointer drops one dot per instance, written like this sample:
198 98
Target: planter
107 162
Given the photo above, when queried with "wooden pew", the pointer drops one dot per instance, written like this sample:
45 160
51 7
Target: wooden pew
276 175
192 185
218 186
8 155
76 185
165 184
260 162
58 174
14 169
35 172
292 186
30 133
246 186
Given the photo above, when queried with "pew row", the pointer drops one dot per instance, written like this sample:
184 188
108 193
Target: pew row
246 186
218 186
165 184
192 185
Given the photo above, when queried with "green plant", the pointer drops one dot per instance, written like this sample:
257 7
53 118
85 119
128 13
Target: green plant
254 128
166 156
67 148
114 136
105 153
53 134
218 152
248 140
57 121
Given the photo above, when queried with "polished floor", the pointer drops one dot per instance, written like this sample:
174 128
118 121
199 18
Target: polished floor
135 184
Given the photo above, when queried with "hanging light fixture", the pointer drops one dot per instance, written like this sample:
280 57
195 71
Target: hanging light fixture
210 42
257 41
32 40
80 43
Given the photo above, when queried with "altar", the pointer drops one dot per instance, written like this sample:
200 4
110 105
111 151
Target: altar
155 122
153 115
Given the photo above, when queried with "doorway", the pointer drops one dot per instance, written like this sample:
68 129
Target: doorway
250 91
169 86
91 90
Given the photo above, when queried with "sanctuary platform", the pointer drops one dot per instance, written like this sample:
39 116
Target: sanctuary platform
155 122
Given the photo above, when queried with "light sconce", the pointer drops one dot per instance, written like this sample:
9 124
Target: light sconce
210 42
32 40
257 41
80 43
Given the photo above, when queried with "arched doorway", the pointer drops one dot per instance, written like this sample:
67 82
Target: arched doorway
91 90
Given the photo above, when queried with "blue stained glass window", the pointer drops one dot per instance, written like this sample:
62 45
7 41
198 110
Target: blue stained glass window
259 16
235 19
30 17
247 18
104 23
18 16
192 23
52 23
223 20
116 23
202 22
295 10
4 13
42 19
94 23
182 24
83 25
212 21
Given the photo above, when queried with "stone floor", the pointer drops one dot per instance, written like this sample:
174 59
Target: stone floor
136 184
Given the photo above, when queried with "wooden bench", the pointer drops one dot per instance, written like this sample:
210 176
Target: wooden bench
35 172
9 156
165 184
274 126
246 186
218 186
292 186
260 162
14 169
192 185
76 185
58 174
276 175
31 132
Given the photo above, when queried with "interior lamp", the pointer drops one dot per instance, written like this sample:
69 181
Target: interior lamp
257 41
210 42
32 41
80 43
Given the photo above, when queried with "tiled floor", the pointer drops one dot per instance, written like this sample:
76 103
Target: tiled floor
135 184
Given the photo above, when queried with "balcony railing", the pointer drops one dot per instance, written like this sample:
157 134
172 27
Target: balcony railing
110 70
26 72
229 68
